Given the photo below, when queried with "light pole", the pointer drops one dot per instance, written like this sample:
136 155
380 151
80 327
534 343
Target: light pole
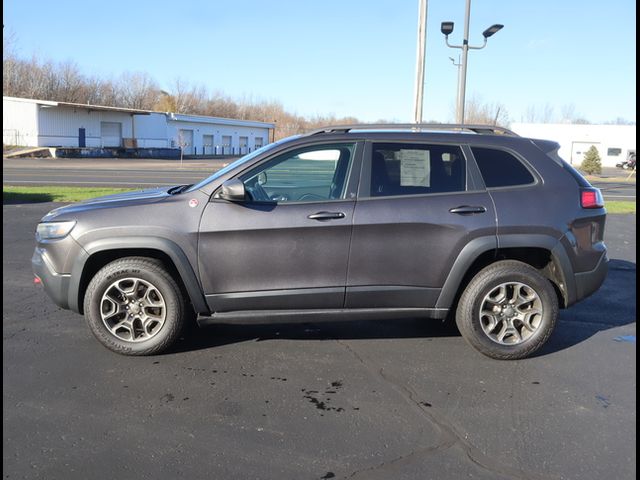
422 37
447 28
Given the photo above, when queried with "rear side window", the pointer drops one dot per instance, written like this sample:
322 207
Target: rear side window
500 168
416 169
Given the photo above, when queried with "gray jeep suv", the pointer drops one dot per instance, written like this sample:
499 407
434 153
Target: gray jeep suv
362 221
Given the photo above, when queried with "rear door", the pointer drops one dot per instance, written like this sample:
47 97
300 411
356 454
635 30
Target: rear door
418 205
287 246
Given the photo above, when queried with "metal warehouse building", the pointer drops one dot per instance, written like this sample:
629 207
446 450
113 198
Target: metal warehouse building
40 123
614 142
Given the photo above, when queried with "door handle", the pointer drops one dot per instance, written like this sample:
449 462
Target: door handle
326 216
468 209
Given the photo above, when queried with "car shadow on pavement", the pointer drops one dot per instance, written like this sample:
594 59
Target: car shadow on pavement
613 305
225 333
14 198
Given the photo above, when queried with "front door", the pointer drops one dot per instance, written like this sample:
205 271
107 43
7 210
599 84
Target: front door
82 137
287 245
418 206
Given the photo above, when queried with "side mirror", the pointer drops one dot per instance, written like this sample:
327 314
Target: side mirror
233 191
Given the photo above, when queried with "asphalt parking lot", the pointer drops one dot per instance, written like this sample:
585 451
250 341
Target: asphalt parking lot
357 400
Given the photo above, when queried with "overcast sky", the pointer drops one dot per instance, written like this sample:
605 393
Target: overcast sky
351 57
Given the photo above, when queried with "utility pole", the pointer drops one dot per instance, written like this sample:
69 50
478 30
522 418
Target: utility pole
420 54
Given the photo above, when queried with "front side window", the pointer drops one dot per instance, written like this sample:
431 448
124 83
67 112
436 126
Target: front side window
311 174
416 169
500 168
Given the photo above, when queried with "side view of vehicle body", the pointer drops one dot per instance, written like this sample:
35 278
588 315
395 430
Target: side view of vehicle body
366 221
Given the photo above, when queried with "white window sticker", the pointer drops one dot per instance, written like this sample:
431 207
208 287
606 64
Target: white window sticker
415 168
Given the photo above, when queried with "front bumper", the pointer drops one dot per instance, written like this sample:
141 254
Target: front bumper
55 284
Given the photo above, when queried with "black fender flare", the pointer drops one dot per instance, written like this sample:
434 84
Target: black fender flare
164 245
481 245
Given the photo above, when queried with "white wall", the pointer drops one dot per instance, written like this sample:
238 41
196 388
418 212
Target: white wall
574 139
19 123
151 130
59 126
39 123
218 131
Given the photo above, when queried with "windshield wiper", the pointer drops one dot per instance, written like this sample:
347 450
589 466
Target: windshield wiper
178 189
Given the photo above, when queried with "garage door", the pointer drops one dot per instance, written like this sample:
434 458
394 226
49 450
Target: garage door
185 141
244 144
111 134
207 143
226 144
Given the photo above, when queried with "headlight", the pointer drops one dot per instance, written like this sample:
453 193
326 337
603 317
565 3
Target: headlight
52 230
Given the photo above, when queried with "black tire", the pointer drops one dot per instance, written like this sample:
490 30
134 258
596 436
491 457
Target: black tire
468 317
152 272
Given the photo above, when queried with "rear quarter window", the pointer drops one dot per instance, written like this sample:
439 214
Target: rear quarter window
500 168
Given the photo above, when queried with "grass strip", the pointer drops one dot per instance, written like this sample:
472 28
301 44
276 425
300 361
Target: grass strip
44 193
616 206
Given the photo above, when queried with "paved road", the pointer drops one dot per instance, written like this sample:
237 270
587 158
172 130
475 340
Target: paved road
136 173
107 172
617 190
357 400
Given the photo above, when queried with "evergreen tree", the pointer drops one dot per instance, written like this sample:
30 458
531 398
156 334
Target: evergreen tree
591 163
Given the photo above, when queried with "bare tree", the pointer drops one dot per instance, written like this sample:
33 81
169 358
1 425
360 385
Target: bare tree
165 102
620 121
539 114
46 80
137 90
188 98
477 111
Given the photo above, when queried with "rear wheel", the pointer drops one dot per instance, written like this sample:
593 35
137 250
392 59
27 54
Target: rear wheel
508 310
134 307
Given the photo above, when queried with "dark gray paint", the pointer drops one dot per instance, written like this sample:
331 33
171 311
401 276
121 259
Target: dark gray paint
413 241
382 253
272 247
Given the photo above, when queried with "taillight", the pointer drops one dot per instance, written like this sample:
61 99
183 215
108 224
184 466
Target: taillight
591 198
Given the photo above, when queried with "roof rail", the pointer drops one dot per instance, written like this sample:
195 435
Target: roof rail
479 129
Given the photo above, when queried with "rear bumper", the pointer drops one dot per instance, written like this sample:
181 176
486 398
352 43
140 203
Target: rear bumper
56 285
589 282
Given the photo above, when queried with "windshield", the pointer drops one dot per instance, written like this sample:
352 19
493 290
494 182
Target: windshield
236 164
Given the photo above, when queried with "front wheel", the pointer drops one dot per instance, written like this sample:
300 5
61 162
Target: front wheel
134 307
508 310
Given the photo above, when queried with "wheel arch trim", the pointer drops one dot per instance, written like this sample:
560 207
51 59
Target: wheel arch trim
162 245
482 245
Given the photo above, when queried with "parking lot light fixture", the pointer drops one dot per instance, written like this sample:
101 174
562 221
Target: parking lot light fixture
492 30
447 28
